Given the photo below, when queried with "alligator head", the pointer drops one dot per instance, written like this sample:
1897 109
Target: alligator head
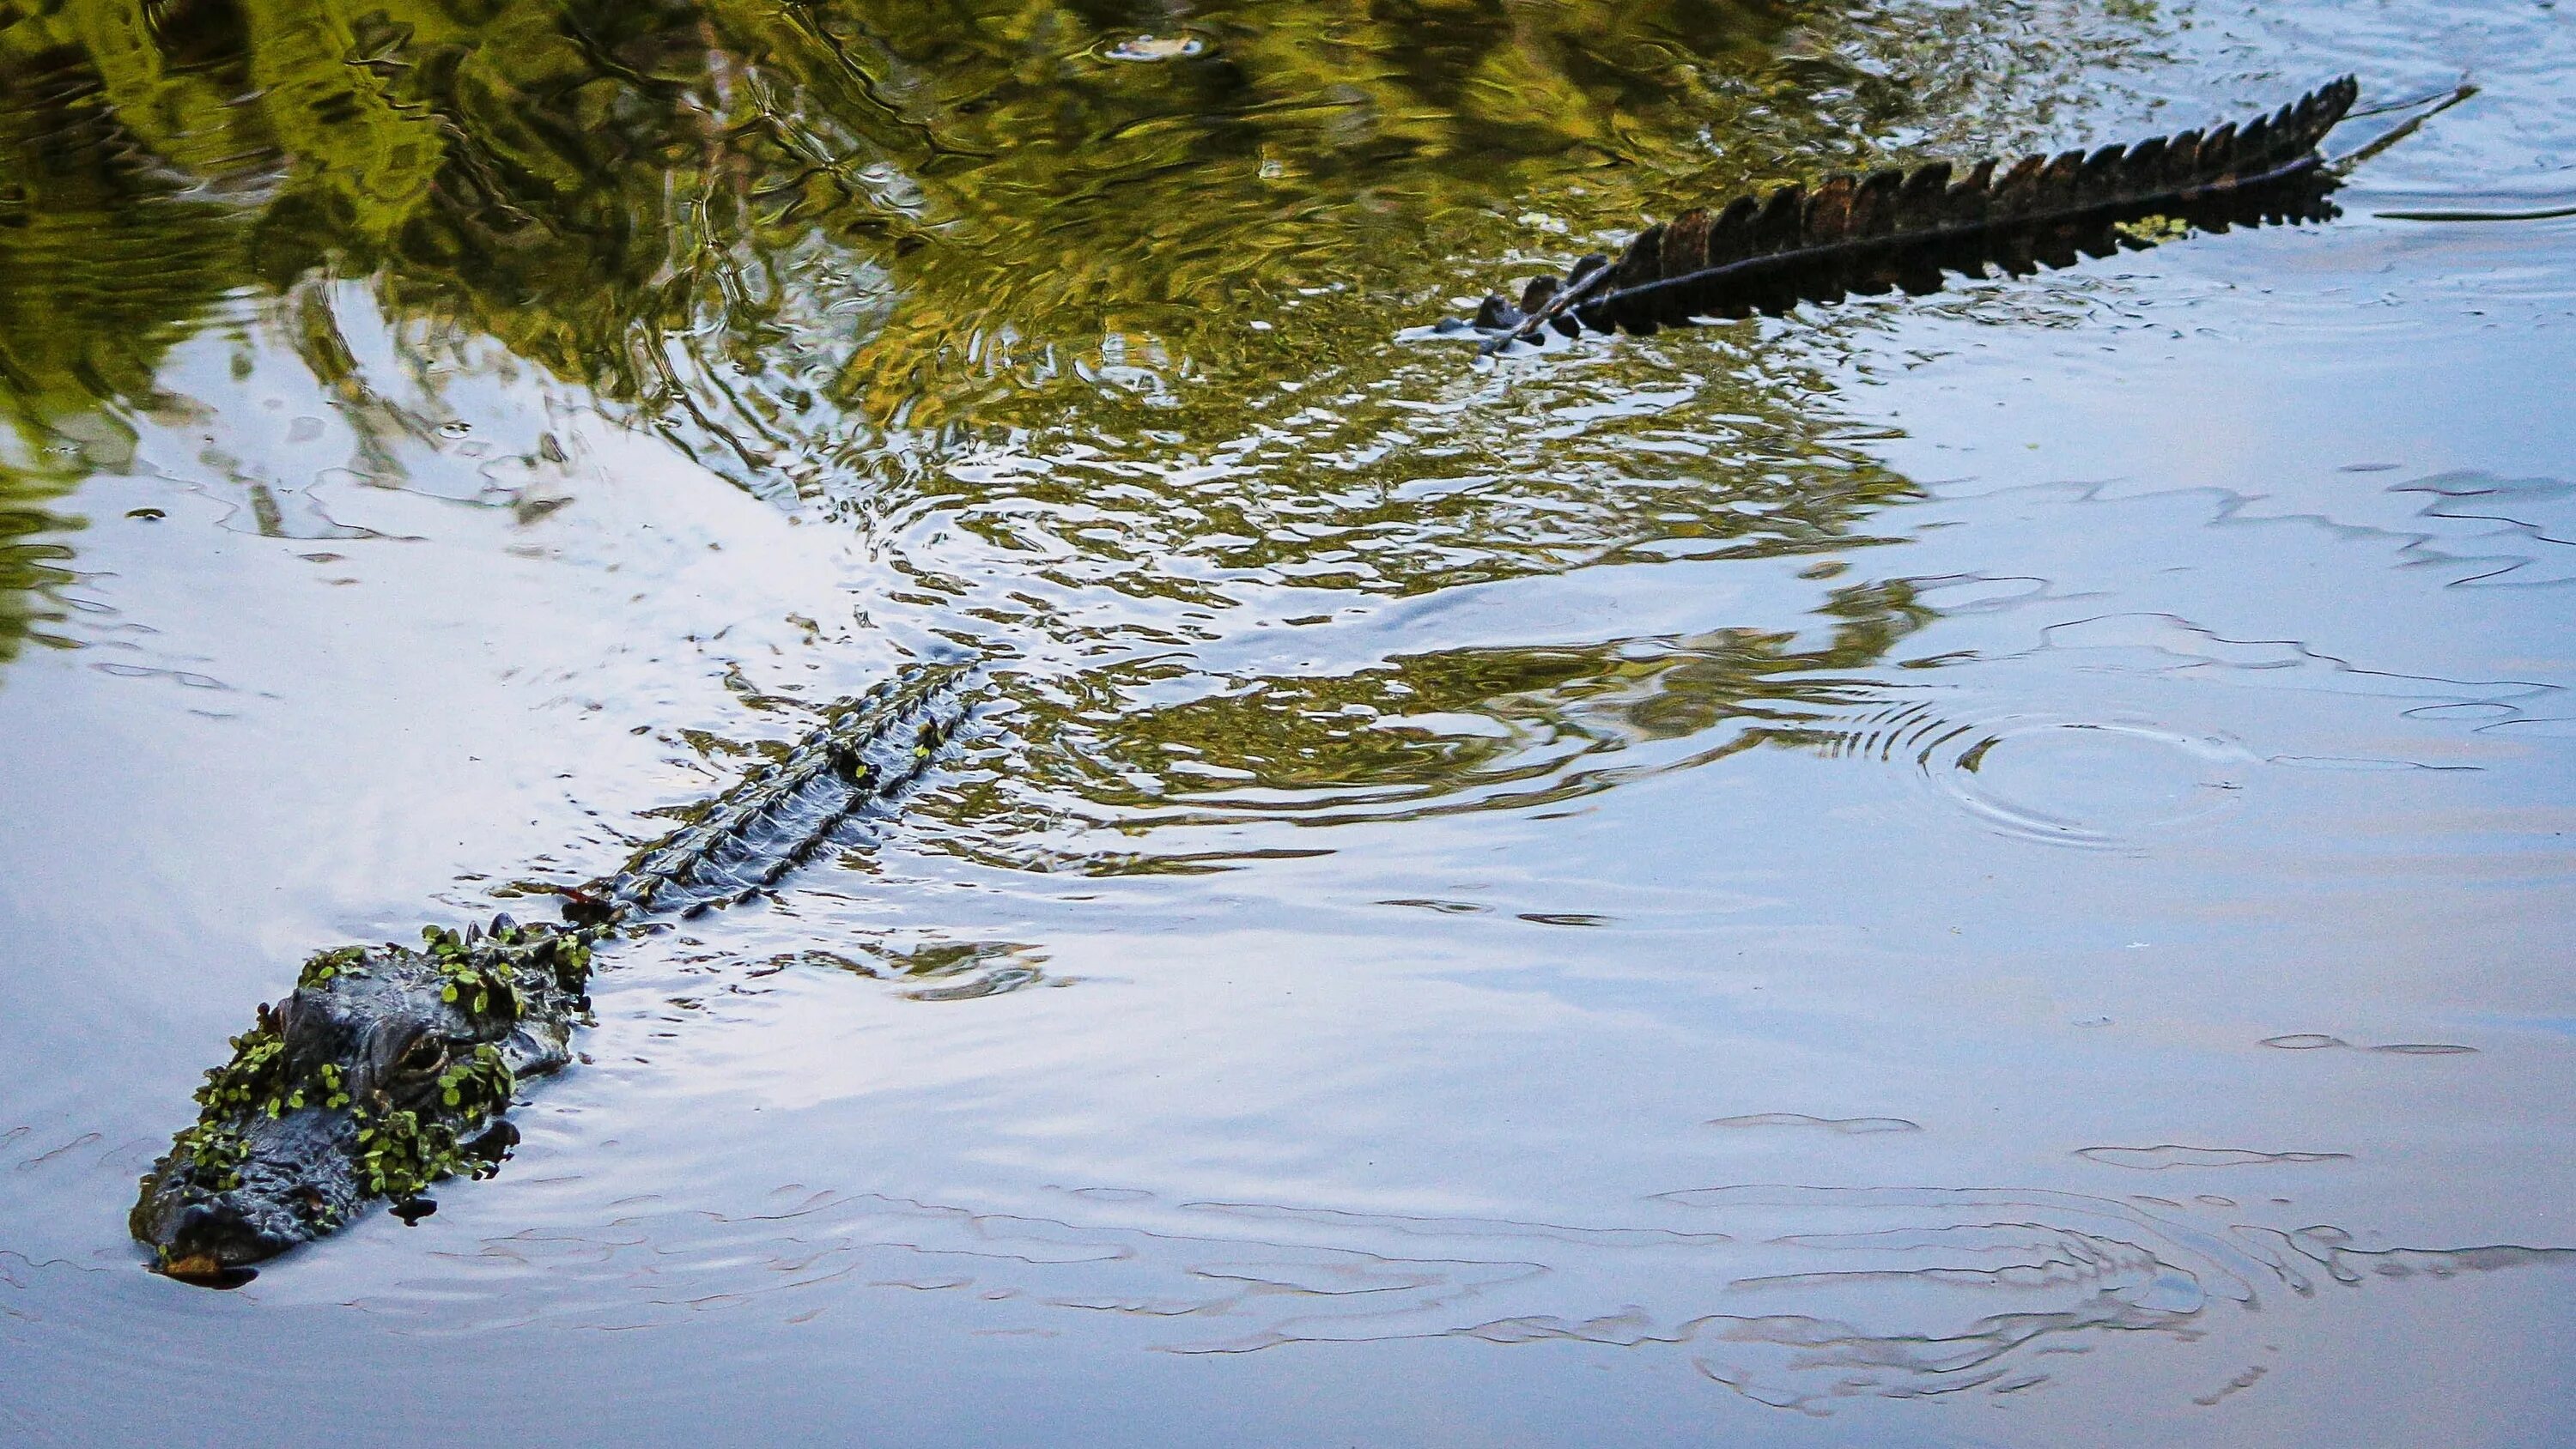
389 1068
385 1070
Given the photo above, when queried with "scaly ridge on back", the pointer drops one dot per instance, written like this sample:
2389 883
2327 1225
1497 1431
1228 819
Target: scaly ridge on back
760 829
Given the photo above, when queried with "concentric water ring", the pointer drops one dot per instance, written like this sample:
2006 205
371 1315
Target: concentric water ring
2091 785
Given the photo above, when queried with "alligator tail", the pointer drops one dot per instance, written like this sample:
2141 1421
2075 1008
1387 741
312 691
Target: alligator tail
1896 228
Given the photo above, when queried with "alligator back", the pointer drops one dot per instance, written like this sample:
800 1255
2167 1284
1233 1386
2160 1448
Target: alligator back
760 829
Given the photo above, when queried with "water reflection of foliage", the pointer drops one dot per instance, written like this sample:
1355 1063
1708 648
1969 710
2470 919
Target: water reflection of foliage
1412 474
101 270
32 575
1416 735
847 249
706 206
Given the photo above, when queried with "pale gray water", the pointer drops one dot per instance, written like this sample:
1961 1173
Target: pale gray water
2125 1001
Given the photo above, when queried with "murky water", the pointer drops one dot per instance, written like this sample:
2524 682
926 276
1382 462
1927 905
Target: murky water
1981 869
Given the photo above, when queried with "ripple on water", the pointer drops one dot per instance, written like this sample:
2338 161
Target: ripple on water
2165 1155
1848 1126
1793 1296
2114 785
2309 1041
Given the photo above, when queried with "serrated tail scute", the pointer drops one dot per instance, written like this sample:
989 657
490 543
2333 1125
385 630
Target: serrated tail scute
1907 228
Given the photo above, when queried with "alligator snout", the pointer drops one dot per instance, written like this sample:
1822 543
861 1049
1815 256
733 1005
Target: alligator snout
209 1244
383 1072
243 1194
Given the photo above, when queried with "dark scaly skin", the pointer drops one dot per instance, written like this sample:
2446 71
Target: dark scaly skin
1908 228
392 1067
375 1077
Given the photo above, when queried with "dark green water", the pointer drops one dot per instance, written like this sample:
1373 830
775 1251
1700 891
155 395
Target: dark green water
1979 869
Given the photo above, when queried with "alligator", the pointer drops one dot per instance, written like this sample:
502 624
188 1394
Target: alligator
389 1068
1898 229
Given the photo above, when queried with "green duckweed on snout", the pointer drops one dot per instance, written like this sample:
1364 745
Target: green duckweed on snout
386 1070
391 1068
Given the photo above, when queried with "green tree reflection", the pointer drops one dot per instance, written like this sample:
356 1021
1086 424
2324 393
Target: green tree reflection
833 248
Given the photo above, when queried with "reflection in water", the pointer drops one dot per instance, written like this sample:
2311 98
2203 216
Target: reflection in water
1087 327
839 253
943 970
1417 734
32 575
1071 318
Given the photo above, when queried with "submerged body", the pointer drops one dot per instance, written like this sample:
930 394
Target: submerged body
390 1068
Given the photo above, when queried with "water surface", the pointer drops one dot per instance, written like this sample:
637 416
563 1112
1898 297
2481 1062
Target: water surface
1988 869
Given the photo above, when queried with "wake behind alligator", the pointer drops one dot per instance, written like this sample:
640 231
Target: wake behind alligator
389 1068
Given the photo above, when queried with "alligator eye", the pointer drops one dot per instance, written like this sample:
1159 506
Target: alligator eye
425 1057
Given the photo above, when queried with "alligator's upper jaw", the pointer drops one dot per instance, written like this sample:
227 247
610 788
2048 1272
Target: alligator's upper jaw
213 1237
296 1174
213 1241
